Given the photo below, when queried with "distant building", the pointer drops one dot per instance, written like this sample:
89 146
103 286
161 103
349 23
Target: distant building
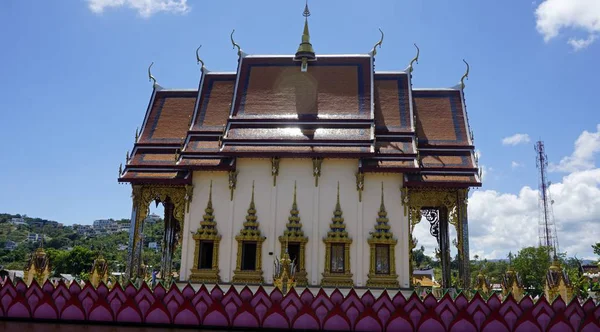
33 237
154 245
18 221
10 245
152 218
124 227
102 223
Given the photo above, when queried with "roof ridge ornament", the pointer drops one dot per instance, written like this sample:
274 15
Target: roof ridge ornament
415 59
150 77
305 51
466 75
235 44
198 60
374 50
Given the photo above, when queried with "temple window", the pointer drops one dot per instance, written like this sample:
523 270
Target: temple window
249 256
337 258
206 255
382 259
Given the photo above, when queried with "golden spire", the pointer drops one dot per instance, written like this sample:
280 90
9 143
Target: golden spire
305 50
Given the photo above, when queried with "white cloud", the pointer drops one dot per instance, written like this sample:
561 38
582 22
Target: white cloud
552 16
586 147
515 164
502 222
145 8
580 44
516 139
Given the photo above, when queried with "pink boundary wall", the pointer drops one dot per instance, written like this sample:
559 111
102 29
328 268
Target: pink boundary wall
245 309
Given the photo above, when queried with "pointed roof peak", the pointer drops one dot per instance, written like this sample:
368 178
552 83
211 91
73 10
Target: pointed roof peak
305 50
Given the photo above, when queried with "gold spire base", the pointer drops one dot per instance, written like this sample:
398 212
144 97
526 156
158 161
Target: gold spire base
253 277
205 276
382 281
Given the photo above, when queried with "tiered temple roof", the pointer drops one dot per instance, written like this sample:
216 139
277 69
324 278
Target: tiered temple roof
337 106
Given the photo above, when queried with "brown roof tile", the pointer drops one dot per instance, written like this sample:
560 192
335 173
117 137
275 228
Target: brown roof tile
466 180
297 134
169 117
447 161
215 101
330 87
440 117
394 147
161 159
392 103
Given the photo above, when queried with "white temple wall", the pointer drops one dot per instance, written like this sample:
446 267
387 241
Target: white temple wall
315 204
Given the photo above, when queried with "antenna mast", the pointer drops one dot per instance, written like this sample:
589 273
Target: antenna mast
546 226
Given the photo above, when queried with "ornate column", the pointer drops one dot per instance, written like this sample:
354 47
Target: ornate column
444 242
138 214
462 235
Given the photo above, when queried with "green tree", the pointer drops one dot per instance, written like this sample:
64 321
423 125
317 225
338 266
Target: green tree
420 260
532 263
596 248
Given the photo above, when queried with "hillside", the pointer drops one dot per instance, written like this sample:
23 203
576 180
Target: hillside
72 249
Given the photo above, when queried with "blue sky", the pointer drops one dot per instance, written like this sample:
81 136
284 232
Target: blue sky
74 85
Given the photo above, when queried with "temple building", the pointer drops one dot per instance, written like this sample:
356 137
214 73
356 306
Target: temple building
320 155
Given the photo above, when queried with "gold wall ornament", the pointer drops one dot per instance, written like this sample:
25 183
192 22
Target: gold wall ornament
250 234
337 251
557 283
38 267
415 59
284 272
482 284
150 77
466 75
99 271
374 50
198 60
275 169
317 162
142 196
207 234
239 49
294 235
382 267
360 184
233 182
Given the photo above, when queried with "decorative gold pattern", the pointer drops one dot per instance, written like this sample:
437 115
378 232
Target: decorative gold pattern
99 271
337 235
38 267
558 283
511 282
360 184
284 276
250 233
232 182
482 284
207 232
294 234
317 162
382 237
275 169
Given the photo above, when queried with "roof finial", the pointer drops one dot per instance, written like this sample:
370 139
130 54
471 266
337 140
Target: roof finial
150 77
198 60
466 75
235 44
120 169
374 50
137 134
415 59
305 51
